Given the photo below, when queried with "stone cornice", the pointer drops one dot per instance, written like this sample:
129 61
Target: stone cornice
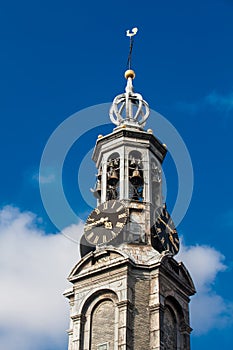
132 134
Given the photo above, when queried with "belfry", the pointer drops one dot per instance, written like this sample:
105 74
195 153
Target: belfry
128 292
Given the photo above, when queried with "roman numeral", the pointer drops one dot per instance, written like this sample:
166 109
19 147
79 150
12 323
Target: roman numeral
123 215
114 203
113 233
96 240
119 224
90 235
97 211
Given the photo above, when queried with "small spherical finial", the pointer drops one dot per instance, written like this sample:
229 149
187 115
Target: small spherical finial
100 136
129 74
164 145
150 131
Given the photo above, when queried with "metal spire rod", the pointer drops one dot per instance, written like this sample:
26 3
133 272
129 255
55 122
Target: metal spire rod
131 35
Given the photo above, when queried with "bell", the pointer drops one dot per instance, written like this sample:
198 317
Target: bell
132 161
113 178
136 178
97 190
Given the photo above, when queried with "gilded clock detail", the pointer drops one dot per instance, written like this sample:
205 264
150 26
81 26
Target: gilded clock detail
164 235
105 222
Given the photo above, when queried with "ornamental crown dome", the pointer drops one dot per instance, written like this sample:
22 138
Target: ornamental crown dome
129 109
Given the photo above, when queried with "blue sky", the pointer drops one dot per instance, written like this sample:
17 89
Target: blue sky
59 57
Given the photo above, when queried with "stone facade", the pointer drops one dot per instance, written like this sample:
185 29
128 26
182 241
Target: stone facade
129 299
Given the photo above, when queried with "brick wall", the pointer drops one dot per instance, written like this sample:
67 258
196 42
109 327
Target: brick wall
141 315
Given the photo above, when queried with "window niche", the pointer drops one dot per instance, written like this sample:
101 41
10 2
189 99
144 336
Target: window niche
113 177
103 326
175 330
136 181
170 329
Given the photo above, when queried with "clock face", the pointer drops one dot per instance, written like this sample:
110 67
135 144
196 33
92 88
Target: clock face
164 235
105 222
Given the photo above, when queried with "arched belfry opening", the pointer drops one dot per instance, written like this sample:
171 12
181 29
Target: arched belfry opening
136 180
113 176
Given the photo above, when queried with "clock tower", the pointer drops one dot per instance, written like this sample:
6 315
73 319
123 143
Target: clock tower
128 292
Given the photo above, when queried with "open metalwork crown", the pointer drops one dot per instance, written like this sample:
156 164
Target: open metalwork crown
129 109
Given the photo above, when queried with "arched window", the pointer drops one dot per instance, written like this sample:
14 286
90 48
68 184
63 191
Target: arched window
136 181
113 176
102 326
99 321
174 334
170 329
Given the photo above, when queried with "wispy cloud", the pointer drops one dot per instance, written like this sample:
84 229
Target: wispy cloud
220 102
208 309
44 179
226 219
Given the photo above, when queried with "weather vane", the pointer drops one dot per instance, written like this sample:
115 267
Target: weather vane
131 35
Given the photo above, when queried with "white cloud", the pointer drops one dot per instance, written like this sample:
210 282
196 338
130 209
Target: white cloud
34 267
208 309
33 271
204 262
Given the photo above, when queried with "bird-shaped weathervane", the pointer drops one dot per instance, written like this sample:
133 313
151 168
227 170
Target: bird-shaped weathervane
131 34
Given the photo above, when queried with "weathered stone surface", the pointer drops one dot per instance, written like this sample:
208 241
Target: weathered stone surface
130 299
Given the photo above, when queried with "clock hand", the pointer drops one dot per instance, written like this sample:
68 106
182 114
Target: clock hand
172 231
96 223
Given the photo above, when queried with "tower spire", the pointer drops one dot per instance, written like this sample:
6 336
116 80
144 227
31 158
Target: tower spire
131 38
129 109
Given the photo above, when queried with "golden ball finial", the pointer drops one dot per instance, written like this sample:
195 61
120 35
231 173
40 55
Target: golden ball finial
100 136
129 74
